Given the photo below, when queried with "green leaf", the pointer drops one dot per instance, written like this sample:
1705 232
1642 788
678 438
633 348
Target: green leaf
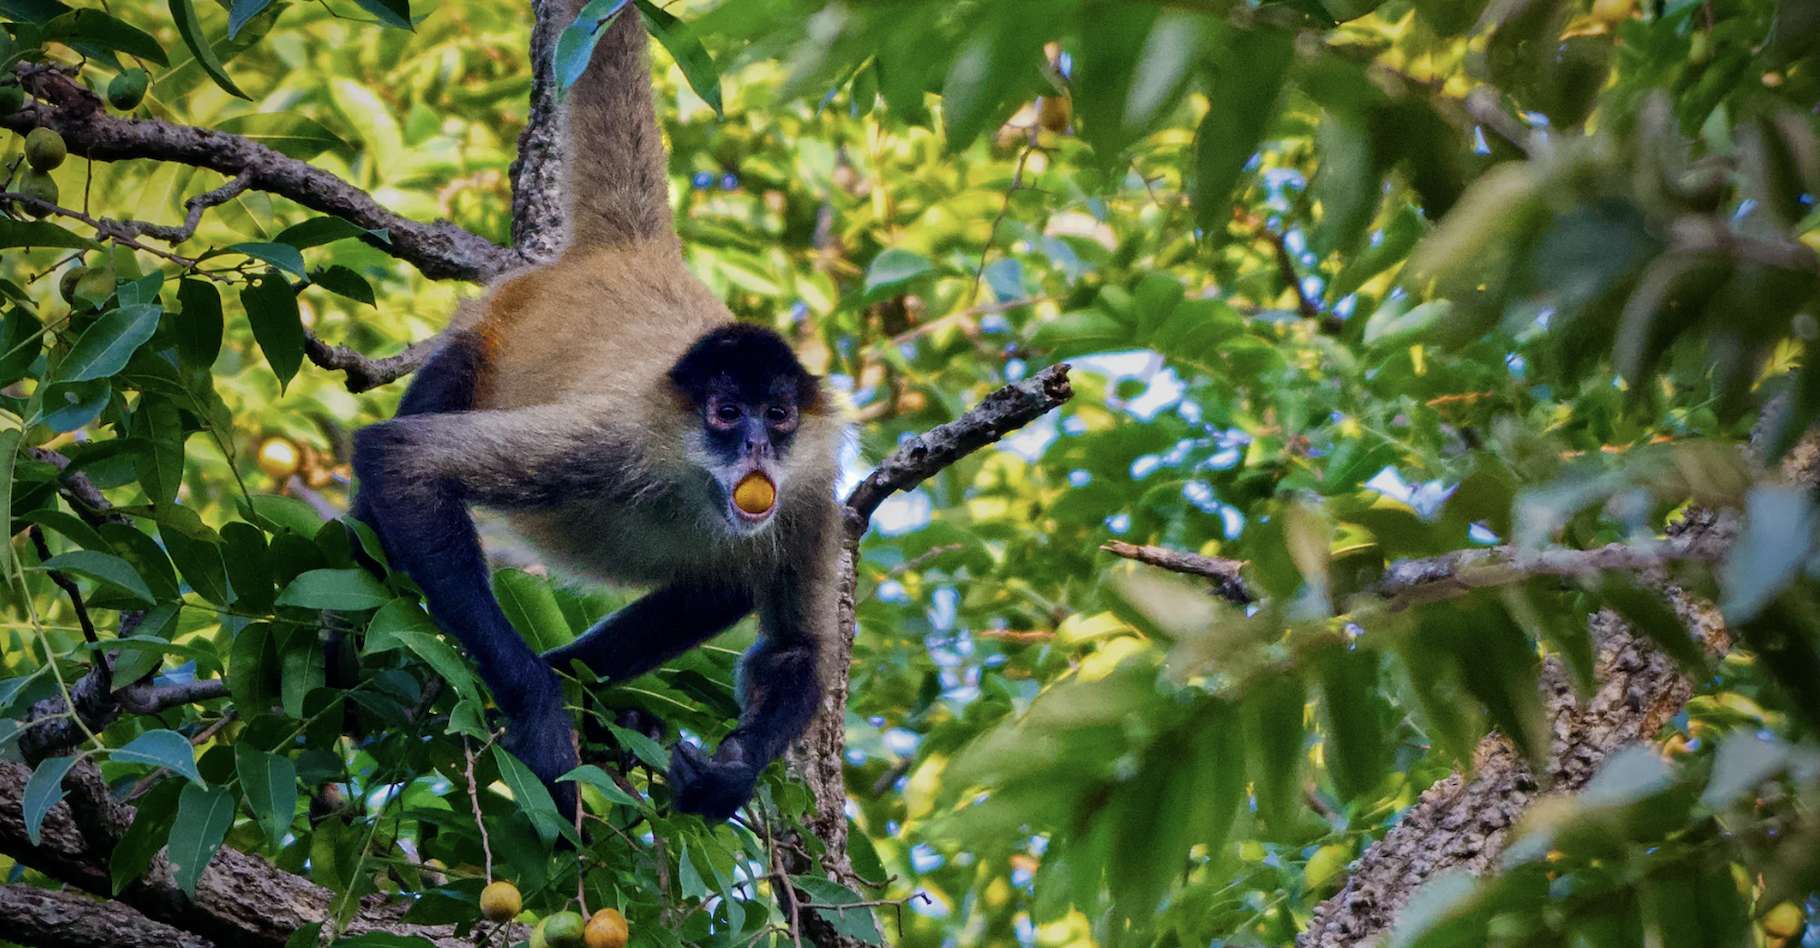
1443 913
107 31
107 344
109 570
15 233
1650 615
1769 553
349 590
70 405
1272 715
289 134
242 12
893 268
531 795
42 792
160 748
393 13
159 462
345 282
199 326
1356 750
856 922
993 70
9 456
575 47
323 230
401 623
691 57
270 785
271 306
597 778
183 14
283 256
645 749
196 551
152 818
203 817
531 607
1244 101
1498 664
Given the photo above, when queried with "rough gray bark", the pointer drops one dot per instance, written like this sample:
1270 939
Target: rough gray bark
51 919
1465 820
537 171
816 758
240 899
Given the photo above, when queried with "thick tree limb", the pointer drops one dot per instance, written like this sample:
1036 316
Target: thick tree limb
53 919
440 250
537 171
363 372
817 758
1465 820
240 899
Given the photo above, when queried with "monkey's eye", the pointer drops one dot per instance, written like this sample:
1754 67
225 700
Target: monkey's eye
777 416
726 413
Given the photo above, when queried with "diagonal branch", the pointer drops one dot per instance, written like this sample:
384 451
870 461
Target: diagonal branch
440 250
1227 583
53 919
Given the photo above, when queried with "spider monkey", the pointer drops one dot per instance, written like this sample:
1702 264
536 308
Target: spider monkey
609 406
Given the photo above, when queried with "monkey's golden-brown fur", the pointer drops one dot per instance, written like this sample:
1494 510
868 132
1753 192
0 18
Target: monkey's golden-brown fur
555 401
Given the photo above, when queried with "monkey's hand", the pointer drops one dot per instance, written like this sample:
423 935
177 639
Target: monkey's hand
714 788
546 743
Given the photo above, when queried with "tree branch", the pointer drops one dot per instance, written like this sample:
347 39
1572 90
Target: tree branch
364 372
440 250
1227 583
54 919
816 757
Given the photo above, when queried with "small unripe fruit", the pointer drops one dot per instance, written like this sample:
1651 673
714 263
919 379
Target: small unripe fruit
607 929
44 149
126 90
93 287
564 930
755 494
37 184
66 284
500 901
1783 921
12 98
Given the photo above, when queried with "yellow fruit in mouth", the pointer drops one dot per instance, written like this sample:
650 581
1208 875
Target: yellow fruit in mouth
755 494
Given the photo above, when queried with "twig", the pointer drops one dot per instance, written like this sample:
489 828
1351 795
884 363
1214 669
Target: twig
70 589
486 846
1227 583
364 372
192 217
104 228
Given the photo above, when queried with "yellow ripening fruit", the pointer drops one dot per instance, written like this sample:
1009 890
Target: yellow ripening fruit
1783 921
499 901
279 457
755 494
563 930
607 929
44 149
537 938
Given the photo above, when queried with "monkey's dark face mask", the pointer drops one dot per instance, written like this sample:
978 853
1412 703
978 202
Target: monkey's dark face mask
750 393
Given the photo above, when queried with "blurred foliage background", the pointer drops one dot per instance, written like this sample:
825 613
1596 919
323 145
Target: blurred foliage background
1345 283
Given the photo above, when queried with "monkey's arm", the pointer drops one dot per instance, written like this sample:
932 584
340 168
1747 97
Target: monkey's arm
655 629
780 690
417 475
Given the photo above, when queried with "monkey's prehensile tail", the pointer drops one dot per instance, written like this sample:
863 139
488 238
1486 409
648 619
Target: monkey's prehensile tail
617 189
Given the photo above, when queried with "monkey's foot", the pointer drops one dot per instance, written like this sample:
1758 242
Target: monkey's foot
714 788
546 744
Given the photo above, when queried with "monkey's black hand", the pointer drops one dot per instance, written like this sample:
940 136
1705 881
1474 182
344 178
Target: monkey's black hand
546 743
714 788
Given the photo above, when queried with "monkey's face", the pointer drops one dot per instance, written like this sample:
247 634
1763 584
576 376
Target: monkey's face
750 394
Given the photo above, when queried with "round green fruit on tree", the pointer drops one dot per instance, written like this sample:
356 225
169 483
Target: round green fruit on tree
126 90
564 930
12 98
37 184
94 287
499 901
44 149
537 938
66 284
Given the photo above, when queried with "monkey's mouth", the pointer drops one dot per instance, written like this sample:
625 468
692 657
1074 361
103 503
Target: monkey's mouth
754 498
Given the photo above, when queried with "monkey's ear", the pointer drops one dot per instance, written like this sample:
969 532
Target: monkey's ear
808 392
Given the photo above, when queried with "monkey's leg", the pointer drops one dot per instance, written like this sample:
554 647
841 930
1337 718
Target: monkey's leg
658 627
780 689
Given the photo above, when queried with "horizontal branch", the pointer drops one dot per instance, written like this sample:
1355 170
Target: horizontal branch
1227 584
440 250
922 456
54 919
365 372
